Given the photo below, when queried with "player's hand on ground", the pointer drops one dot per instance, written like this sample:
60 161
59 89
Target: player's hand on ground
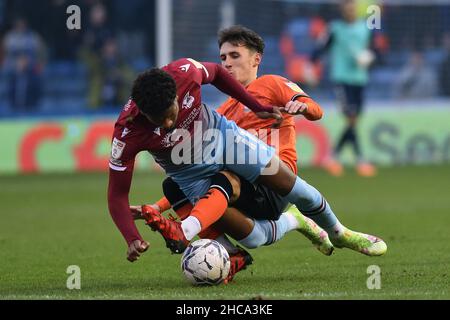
295 107
135 249
275 114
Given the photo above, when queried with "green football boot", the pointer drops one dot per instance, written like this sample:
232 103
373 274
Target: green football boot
312 231
361 242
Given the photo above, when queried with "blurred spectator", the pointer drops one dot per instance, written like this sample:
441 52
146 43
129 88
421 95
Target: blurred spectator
295 45
444 75
352 51
24 55
416 79
116 75
97 34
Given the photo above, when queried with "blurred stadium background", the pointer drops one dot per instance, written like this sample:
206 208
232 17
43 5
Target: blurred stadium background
60 88
61 91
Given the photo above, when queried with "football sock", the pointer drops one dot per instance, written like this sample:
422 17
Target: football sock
191 227
313 205
266 232
210 208
163 204
184 211
292 221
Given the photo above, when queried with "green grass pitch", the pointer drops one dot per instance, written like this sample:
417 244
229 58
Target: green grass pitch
49 222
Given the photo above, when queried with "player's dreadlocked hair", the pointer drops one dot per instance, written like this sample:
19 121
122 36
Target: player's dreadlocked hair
239 35
154 92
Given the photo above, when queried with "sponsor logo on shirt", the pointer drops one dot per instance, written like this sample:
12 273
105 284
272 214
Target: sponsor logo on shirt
117 149
128 105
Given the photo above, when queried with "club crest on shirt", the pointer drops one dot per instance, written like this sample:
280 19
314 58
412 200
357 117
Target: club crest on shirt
171 139
294 87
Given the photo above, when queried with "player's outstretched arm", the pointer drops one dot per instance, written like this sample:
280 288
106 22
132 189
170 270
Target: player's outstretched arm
118 189
222 80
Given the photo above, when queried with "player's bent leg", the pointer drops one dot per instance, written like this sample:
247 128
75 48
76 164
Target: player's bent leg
256 233
207 210
170 229
312 204
235 182
178 200
282 180
277 176
261 203
210 207
235 224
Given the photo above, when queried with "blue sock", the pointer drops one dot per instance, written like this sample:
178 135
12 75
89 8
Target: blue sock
313 205
266 232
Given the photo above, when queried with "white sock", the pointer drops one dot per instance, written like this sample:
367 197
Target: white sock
191 227
292 221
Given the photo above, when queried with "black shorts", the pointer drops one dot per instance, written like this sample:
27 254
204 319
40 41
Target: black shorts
259 202
351 98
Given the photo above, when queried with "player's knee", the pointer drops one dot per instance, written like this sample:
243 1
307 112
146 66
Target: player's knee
223 182
235 183
173 193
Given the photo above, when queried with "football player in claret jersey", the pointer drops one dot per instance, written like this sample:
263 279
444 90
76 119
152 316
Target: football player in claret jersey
241 52
165 105
282 180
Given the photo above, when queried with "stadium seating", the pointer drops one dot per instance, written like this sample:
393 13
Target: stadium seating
64 83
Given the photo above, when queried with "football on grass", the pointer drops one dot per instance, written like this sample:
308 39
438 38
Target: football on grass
205 262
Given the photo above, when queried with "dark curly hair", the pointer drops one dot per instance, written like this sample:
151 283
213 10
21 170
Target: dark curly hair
154 92
239 35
